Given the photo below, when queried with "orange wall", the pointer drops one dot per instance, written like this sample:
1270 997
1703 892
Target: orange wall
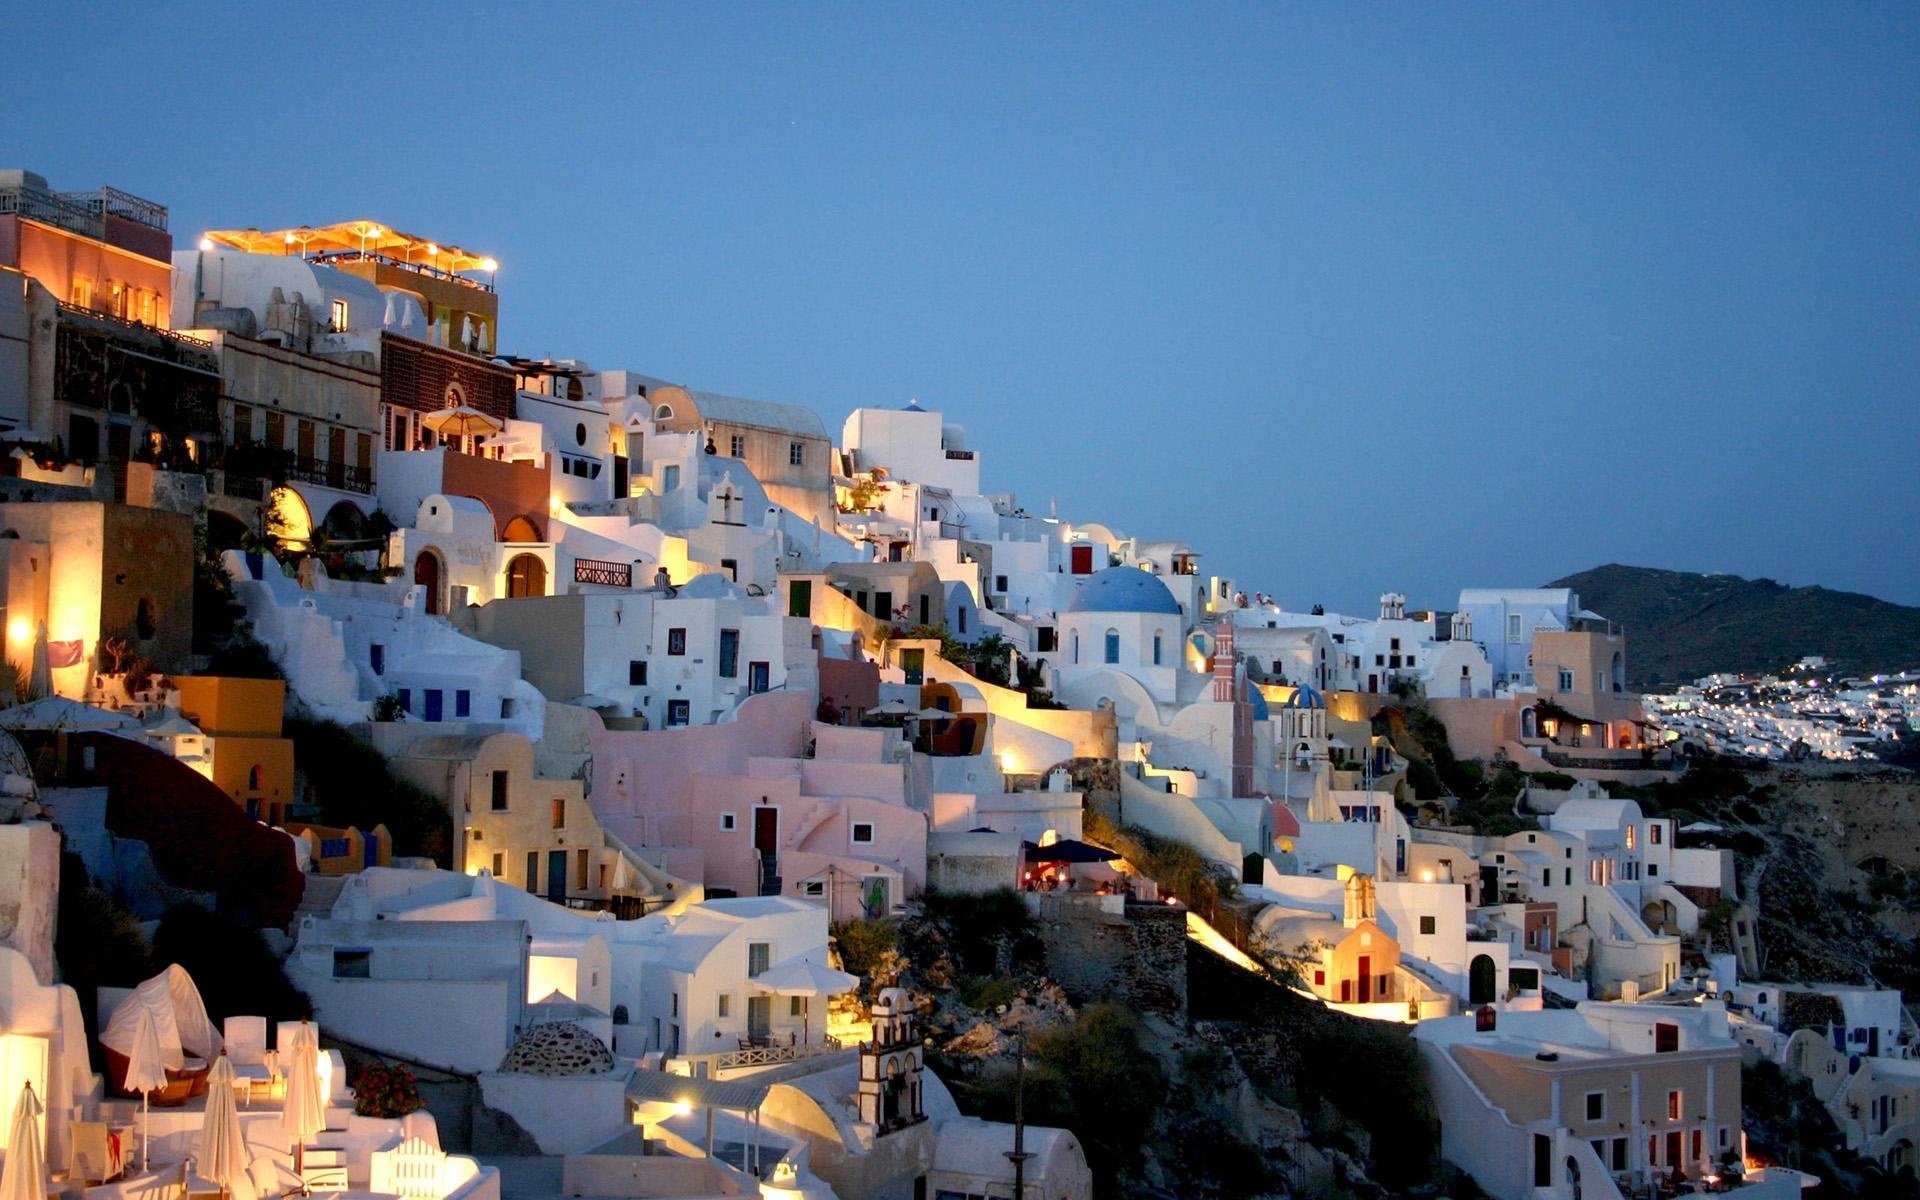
223 705
55 258
508 489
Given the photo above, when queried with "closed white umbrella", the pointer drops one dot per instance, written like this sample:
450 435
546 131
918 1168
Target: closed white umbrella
40 674
26 1175
146 1072
304 1113
805 979
223 1152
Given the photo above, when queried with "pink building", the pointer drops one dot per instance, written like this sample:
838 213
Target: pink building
772 804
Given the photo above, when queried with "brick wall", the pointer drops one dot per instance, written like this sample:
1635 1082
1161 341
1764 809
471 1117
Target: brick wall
416 375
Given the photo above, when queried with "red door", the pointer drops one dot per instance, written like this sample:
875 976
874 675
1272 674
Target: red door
1082 559
1366 979
426 573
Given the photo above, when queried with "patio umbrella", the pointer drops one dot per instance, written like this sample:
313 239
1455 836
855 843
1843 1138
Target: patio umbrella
304 1113
799 977
26 1175
895 707
223 1152
461 421
146 1072
622 878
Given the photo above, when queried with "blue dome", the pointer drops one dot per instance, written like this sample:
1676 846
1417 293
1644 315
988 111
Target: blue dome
1305 697
1123 590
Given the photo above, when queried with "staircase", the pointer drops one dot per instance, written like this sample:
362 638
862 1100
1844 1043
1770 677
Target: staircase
317 900
323 1161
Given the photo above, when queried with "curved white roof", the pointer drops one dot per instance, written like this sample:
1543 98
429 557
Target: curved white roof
1123 590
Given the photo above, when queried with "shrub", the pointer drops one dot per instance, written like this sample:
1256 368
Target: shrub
984 993
385 1090
864 944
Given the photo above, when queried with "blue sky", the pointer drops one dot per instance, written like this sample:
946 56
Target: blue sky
1354 298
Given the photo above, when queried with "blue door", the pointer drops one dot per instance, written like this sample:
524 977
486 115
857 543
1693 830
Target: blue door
557 876
433 704
757 677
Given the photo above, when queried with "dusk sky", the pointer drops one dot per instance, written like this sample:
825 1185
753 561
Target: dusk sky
1353 299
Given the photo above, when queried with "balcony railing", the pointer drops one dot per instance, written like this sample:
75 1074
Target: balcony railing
602 572
960 455
432 272
326 473
765 1056
82 212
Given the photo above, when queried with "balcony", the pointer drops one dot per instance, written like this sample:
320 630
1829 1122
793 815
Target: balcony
959 456
770 1055
83 213
600 571
326 473
339 257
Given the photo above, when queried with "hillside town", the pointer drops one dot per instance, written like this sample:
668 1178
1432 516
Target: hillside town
912 841
1803 713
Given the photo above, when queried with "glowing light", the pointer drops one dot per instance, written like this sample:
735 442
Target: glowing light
489 265
1426 876
20 630
206 243
1007 761
433 251
682 1108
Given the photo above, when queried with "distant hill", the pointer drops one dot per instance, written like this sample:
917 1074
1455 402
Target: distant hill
1680 625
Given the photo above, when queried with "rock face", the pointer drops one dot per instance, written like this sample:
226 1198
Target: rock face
558 1049
1138 959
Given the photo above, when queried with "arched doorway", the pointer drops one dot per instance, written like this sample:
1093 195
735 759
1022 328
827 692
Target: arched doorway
345 522
224 531
1480 980
526 576
426 575
1529 723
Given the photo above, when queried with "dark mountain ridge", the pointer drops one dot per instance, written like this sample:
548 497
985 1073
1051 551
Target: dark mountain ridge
1681 625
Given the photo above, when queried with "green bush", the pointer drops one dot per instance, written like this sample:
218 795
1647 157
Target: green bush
988 933
985 993
864 944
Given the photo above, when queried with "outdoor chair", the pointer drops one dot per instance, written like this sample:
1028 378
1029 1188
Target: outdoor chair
246 1039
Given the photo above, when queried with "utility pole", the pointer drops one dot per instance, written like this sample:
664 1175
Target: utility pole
1019 1155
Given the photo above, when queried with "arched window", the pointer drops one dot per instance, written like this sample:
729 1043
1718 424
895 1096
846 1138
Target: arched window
520 529
1156 647
1113 646
526 576
663 413
1076 647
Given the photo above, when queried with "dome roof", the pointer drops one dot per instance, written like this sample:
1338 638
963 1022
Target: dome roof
558 1048
1123 590
1306 697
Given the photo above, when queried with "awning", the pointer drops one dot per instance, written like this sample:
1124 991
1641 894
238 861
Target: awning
461 421
741 1095
1068 850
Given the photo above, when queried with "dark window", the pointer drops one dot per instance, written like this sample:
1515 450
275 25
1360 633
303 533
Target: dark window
1426 924
1596 1105
637 672
377 658
1046 639
676 641
353 964
406 700
499 791
732 568
800 598
883 605
999 583
463 703
679 712
729 653
863 833
797 453
737 446
1666 1038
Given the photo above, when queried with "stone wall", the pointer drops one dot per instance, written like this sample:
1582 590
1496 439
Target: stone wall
1097 949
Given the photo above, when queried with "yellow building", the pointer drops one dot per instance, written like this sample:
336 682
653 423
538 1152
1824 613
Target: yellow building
248 758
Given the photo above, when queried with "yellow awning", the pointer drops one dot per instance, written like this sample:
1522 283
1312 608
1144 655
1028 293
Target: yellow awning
373 237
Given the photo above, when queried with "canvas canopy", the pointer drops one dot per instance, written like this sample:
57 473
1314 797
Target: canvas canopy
1068 850
179 1018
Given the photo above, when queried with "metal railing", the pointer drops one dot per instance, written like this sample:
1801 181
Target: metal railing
341 476
960 455
82 212
431 272
180 342
600 571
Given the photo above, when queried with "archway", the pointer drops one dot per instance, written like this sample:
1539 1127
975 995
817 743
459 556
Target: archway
1480 980
427 575
526 576
345 522
288 520
1619 672
1529 723
224 531
520 530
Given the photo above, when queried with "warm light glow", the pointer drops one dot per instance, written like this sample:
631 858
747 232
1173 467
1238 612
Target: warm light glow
682 1108
433 251
1007 761
206 243
288 238
489 265
324 1064
1426 876
20 630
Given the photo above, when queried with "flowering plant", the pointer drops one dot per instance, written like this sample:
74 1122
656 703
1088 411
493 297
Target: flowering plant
385 1090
